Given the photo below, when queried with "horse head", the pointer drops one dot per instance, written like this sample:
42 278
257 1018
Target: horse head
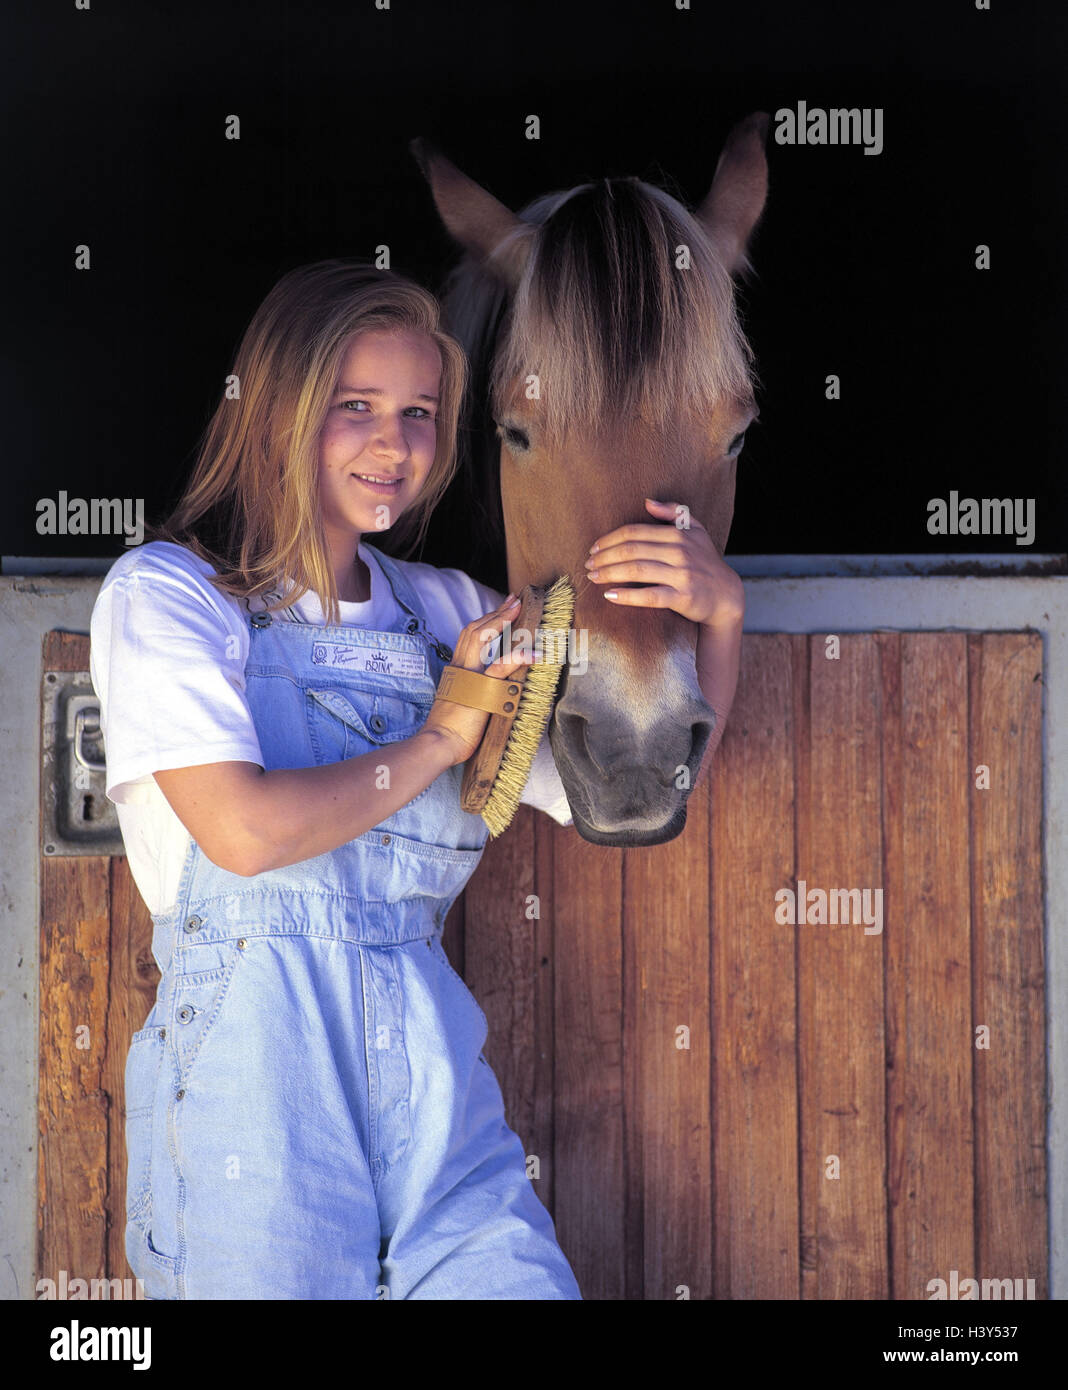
604 342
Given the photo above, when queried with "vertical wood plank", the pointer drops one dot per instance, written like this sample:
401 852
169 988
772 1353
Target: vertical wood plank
595 1197
754 1033
888 647
928 935
667 1054
64 651
1009 975
73 1106
499 965
78 1153
543 927
842 1043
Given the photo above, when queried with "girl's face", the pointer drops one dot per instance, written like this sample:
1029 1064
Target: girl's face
377 446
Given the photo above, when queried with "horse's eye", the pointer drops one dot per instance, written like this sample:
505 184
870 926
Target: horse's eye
736 444
515 439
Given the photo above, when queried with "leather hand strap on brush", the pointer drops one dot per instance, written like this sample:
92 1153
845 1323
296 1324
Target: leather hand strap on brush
519 706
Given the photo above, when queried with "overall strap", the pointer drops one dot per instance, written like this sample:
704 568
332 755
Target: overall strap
409 601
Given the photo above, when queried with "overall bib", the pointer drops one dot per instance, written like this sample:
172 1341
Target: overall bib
309 1115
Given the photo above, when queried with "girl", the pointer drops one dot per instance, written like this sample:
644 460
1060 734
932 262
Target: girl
309 1114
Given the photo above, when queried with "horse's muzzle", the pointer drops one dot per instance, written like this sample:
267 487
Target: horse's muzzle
627 781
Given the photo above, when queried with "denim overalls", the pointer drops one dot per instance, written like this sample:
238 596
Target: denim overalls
309 1115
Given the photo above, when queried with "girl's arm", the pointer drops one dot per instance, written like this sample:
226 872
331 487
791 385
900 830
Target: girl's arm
247 820
718 650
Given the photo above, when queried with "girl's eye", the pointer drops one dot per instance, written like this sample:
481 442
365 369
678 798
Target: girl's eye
736 444
416 411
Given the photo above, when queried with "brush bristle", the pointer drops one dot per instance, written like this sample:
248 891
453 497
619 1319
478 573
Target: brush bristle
535 709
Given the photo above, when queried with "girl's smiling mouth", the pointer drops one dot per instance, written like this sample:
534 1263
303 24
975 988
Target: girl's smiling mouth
379 482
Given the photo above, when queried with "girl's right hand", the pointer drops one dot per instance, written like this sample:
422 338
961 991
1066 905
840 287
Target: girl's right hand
460 727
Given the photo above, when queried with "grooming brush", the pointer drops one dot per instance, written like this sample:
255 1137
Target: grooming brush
520 706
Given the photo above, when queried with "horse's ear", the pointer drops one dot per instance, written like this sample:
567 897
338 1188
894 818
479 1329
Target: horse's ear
472 216
739 188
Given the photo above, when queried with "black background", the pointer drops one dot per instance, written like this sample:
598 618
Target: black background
951 377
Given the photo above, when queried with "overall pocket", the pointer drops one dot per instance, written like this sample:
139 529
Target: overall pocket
145 1107
343 723
141 1083
198 998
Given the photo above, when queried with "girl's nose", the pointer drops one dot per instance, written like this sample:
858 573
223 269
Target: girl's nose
389 437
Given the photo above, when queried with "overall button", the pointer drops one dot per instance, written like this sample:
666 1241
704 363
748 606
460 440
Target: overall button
194 924
261 620
378 723
185 1014
386 839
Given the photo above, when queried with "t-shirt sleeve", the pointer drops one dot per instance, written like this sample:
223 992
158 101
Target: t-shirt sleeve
167 660
544 790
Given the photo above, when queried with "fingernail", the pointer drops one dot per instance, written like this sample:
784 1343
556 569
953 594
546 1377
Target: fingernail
509 600
594 547
610 593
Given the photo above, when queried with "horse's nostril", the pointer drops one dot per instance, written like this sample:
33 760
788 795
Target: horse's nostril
700 733
574 729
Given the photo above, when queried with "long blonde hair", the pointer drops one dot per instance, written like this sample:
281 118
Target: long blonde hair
251 507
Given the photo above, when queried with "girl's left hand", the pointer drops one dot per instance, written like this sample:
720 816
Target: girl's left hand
680 565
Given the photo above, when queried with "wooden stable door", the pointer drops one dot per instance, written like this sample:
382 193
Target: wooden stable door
716 1102
726 1106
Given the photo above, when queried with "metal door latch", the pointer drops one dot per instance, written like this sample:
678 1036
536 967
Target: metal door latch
76 816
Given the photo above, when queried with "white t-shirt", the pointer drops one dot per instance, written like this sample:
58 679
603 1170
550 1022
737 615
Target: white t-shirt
167 659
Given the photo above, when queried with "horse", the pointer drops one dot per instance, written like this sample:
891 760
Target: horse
608 364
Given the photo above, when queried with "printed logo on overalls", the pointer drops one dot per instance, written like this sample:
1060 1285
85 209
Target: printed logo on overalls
386 663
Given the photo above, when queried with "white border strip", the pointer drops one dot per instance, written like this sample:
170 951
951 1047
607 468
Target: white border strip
56 564
855 566
1046 564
